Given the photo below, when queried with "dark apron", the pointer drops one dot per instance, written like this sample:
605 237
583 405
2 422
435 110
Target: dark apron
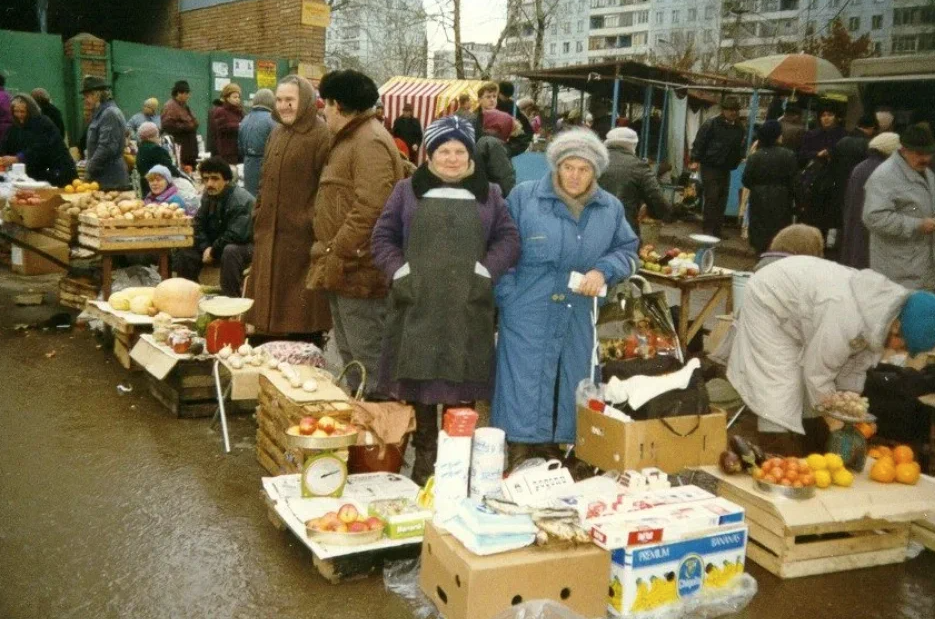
441 320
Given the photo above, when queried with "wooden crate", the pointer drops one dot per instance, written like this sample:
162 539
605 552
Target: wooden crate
275 413
819 548
75 292
188 391
125 335
923 532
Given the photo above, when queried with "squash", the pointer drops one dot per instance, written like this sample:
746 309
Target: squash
142 305
178 297
121 300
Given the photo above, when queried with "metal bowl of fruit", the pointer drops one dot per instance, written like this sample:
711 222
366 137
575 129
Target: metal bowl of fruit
789 492
788 477
345 527
324 433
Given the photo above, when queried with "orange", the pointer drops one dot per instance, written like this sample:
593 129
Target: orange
883 471
874 452
884 450
903 454
888 460
867 429
908 473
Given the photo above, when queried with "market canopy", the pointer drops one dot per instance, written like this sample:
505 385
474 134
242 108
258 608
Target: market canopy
799 71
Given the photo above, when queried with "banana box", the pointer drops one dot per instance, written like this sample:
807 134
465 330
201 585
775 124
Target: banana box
644 578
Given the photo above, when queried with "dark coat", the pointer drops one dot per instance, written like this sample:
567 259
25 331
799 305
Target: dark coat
770 175
818 140
151 154
792 134
493 156
106 144
719 144
225 125
855 240
224 220
255 129
632 181
179 122
40 146
55 115
409 130
518 144
282 232
6 114
390 237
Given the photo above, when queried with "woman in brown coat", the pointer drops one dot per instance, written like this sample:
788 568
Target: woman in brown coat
282 232
225 124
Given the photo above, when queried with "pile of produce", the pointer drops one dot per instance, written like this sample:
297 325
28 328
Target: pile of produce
322 428
845 405
138 300
176 297
78 203
79 186
896 464
244 356
347 519
816 470
135 210
26 197
673 262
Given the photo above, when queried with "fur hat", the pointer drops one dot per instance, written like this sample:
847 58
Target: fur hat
623 136
180 86
147 131
230 89
885 143
446 129
581 143
152 103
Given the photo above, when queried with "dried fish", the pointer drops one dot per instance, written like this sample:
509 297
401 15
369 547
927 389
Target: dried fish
564 530
502 506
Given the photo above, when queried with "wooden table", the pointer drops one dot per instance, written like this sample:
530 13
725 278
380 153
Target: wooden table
107 268
720 280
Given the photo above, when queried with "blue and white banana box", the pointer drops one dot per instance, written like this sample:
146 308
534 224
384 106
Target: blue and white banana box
649 577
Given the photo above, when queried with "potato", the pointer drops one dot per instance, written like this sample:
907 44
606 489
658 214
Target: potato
148 215
129 216
74 211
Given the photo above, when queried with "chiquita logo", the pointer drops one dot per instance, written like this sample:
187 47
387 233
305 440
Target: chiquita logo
690 576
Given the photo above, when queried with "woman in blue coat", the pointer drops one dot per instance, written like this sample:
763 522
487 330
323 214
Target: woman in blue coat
567 224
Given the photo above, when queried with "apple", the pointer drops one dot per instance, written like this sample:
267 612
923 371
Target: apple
357 527
329 521
666 270
348 513
319 433
326 424
374 523
307 426
340 528
314 523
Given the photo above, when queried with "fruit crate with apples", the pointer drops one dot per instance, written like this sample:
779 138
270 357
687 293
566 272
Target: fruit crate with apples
839 529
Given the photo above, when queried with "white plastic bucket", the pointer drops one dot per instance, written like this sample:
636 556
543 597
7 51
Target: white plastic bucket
738 285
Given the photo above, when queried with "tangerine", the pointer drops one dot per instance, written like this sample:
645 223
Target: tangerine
883 471
908 473
822 478
903 454
834 461
807 480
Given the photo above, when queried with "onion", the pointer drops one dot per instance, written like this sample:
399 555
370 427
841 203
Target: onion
236 362
310 385
295 381
225 352
245 349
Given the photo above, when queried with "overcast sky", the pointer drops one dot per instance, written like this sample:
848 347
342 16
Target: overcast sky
481 22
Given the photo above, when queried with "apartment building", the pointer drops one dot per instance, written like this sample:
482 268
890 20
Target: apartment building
476 57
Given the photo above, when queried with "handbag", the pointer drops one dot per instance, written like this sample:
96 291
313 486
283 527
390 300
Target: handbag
634 326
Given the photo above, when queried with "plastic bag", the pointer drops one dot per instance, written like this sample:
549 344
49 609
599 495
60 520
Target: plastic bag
402 578
709 604
539 609
134 276
633 326
295 353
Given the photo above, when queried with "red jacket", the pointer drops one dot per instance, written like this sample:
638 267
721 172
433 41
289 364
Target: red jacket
225 125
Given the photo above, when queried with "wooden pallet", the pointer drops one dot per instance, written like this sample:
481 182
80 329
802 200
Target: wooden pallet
822 548
188 391
96 222
923 532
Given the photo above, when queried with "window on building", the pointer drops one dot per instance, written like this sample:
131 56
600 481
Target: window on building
708 37
690 37
566 47
554 30
580 26
770 5
926 42
659 40
876 22
579 47
626 20
788 5
642 17
853 24
709 12
597 22
813 4
640 38
692 14
552 48
625 40
566 28
675 16
660 17
878 48
904 44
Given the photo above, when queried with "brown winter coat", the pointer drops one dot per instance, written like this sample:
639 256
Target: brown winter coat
179 122
225 123
282 230
363 167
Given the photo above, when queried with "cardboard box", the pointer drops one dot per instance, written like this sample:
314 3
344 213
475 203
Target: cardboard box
466 586
645 578
598 507
665 524
670 444
40 215
26 262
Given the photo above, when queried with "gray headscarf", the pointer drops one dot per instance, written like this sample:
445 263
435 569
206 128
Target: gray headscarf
32 108
264 98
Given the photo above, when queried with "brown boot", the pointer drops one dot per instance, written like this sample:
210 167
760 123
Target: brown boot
425 442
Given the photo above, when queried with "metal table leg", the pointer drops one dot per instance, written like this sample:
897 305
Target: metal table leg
221 397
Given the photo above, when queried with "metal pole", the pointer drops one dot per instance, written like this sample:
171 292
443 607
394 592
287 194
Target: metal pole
613 114
581 107
554 106
751 118
647 117
662 129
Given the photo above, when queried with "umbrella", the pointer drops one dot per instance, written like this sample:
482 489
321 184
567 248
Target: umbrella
800 71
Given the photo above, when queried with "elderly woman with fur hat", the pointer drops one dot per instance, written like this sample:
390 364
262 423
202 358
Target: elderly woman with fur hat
770 176
225 124
567 224
444 239
35 141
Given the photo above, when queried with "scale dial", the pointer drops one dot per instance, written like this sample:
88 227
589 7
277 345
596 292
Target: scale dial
325 475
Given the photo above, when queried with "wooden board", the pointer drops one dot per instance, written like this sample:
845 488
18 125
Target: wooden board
135 232
188 391
141 245
135 223
922 533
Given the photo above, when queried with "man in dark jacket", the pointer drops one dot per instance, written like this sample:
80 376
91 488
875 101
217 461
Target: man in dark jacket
179 122
845 156
793 129
520 143
631 179
718 149
107 136
223 229
41 95
408 129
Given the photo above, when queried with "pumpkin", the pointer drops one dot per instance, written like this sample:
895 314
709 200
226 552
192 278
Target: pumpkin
177 297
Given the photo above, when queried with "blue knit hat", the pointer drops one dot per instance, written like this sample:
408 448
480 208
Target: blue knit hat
446 129
917 322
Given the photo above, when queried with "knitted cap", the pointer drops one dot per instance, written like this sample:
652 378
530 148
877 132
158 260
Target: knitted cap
917 322
886 143
447 129
499 123
230 89
581 143
147 131
162 171
622 135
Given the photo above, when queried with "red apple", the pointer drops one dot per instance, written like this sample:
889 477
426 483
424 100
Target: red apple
348 513
329 521
307 426
357 527
341 528
374 523
326 424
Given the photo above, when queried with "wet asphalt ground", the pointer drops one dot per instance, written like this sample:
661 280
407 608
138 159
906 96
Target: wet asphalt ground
111 508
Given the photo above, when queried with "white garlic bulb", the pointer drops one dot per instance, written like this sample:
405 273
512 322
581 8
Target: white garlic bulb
273 363
310 385
256 361
236 362
295 382
245 349
225 352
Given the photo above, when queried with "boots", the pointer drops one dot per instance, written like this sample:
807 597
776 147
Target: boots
425 442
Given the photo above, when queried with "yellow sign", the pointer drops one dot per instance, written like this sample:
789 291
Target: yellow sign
266 74
316 14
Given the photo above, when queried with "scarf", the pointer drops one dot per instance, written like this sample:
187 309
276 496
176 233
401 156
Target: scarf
575 205
170 191
474 180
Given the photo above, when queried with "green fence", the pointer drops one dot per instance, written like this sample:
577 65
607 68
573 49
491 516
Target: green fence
30 61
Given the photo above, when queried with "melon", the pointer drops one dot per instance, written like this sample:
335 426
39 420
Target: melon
121 300
177 297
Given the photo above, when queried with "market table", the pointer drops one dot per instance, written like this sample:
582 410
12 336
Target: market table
107 268
720 280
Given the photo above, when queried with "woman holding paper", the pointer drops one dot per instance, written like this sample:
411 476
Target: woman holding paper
569 227
443 240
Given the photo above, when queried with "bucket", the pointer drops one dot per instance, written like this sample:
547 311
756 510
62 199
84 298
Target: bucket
738 285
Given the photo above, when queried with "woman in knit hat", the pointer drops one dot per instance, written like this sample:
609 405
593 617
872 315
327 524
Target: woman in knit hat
770 176
151 153
855 240
810 327
162 189
149 114
568 225
443 241
225 125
